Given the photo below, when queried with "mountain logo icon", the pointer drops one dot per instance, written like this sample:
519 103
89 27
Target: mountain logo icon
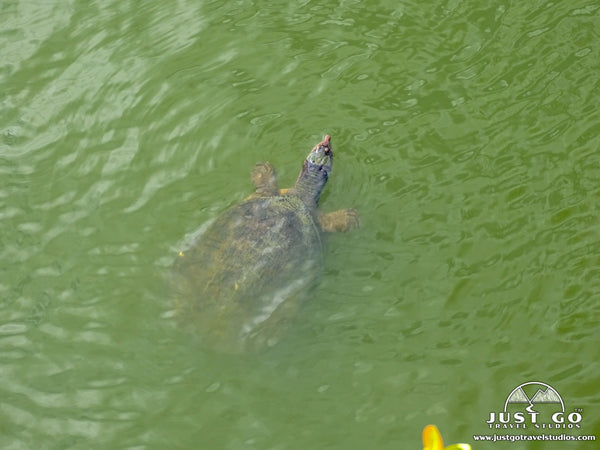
544 394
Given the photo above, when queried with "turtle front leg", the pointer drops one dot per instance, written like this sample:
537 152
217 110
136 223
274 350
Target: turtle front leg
342 220
265 180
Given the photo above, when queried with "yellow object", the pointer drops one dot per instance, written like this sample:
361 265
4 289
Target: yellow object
432 440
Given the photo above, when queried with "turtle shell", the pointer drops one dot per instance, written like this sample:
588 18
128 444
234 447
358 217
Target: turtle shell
245 276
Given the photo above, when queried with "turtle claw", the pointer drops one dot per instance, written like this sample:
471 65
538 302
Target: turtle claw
341 221
265 179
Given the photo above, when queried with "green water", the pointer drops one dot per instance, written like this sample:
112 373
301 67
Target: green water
466 135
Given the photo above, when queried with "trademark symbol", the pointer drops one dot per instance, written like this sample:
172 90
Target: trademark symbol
578 410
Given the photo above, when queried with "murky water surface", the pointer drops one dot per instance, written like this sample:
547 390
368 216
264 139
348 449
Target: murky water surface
466 135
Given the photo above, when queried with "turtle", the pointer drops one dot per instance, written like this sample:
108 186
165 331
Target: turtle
245 276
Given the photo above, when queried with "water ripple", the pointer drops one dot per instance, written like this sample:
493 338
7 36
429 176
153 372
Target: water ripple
465 134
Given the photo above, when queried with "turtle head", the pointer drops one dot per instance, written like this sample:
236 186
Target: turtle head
320 158
315 171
